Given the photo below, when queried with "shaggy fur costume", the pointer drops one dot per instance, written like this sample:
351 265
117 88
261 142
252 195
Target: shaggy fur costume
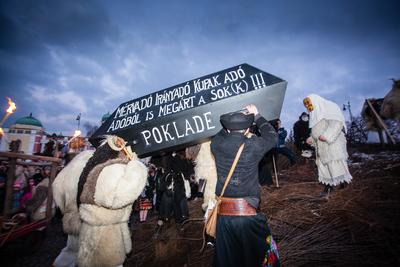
65 188
103 153
205 169
106 203
331 155
107 184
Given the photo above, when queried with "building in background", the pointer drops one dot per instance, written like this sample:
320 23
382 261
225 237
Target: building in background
105 117
33 138
28 130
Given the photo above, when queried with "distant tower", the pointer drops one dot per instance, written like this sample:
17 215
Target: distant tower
105 117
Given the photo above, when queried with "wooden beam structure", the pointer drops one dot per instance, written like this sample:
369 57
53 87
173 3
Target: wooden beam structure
381 123
13 162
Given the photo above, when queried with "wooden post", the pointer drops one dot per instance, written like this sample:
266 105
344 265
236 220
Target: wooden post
389 137
381 139
276 173
49 204
9 189
11 176
381 123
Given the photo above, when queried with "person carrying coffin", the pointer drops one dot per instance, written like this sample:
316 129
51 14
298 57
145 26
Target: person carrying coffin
243 237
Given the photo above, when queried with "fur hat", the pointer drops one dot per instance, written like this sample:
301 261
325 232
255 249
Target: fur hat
237 120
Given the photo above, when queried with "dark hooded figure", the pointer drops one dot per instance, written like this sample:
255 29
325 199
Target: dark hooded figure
264 172
301 132
171 190
243 237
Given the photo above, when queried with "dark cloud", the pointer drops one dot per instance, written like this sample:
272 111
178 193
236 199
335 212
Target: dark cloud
33 24
227 18
34 33
59 58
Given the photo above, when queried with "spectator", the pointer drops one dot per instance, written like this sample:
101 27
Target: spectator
20 177
38 175
194 188
46 172
3 180
17 195
159 181
281 147
27 195
301 132
145 201
174 190
264 172
37 205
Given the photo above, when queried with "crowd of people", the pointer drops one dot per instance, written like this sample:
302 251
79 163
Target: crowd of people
170 180
29 189
170 185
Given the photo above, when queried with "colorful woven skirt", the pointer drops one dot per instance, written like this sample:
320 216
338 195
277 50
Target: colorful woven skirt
145 204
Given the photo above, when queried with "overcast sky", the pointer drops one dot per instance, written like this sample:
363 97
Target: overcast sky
61 58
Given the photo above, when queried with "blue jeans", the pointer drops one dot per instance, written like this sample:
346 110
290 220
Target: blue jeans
286 152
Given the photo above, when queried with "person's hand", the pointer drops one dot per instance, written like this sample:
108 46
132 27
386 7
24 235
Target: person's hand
252 109
309 140
322 138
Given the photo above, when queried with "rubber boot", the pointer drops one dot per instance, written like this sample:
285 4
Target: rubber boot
327 190
343 185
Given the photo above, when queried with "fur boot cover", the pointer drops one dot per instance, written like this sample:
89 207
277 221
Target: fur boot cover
65 187
106 204
205 169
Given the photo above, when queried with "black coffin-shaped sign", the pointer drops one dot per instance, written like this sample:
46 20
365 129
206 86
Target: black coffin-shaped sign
189 113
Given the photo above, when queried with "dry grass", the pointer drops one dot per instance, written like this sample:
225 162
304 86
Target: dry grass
356 226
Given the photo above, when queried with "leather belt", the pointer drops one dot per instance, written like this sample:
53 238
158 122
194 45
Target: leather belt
235 207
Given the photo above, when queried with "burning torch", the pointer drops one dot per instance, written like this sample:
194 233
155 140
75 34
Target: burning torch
76 134
11 108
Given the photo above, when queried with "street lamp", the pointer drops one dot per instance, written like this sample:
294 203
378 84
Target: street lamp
77 131
348 107
78 118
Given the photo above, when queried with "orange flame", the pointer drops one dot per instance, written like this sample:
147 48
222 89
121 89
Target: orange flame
11 106
1 132
77 133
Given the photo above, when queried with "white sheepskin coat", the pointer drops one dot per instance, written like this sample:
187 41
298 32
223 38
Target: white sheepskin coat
205 169
104 238
332 155
65 188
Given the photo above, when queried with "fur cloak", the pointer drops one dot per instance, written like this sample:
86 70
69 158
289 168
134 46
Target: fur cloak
106 204
205 169
65 188
331 155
